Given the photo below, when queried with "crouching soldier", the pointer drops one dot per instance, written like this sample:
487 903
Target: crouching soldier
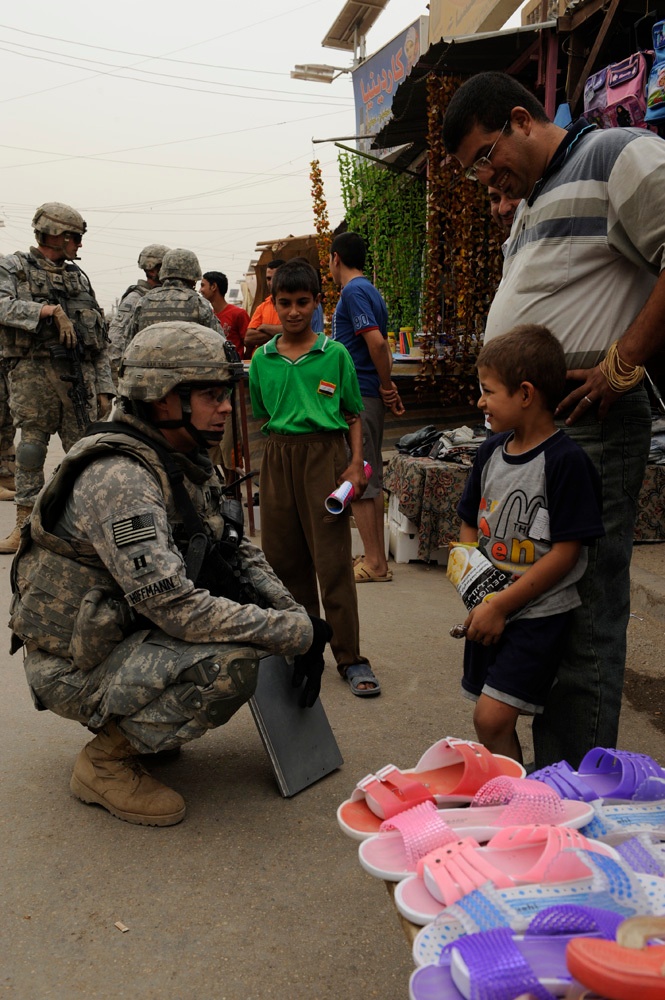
141 608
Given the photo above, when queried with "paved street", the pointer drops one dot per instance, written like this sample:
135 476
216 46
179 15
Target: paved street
252 896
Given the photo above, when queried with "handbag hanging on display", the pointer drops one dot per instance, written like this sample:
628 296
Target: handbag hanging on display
656 83
616 95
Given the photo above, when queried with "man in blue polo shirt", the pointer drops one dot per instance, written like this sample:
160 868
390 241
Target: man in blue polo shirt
360 323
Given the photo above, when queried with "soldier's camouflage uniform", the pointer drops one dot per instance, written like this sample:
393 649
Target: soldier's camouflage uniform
119 325
175 300
102 549
7 430
39 402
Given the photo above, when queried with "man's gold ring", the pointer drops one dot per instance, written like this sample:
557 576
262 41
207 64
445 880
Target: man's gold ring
589 401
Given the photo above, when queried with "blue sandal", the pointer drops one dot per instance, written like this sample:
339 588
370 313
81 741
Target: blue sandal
361 673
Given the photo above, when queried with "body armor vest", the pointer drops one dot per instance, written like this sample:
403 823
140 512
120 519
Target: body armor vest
141 287
64 600
64 285
173 300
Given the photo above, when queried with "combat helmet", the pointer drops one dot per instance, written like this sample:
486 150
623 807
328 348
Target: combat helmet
55 218
183 264
165 356
152 256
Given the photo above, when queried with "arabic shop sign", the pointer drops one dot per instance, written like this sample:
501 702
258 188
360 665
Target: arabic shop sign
377 78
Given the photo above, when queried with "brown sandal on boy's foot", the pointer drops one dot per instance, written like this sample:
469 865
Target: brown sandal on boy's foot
363 574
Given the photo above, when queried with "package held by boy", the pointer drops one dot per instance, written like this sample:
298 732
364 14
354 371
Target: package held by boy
473 575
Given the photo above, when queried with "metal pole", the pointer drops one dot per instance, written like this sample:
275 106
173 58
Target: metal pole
376 159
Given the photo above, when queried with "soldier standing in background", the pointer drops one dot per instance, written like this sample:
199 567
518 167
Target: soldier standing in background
150 261
176 298
163 608
54 347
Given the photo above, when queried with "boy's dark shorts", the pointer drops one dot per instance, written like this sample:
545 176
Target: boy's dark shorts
520 669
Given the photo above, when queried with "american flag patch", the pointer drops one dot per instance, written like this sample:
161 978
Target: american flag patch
134 529
326 388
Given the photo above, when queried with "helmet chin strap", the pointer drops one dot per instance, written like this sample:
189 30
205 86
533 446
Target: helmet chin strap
42 241
204 439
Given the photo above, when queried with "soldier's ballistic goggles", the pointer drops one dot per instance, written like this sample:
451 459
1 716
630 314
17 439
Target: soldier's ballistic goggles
76 237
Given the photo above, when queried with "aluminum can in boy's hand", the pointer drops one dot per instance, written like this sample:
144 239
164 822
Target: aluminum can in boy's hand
344 494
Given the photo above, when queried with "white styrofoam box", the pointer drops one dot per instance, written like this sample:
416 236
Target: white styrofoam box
357 547
440 556
403 544
404 547
403 523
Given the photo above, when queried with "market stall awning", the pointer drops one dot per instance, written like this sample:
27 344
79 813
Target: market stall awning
492 50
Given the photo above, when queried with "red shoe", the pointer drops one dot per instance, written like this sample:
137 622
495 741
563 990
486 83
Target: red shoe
625 969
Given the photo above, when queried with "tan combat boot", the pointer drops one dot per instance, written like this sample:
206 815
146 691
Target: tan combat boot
10 543
108 773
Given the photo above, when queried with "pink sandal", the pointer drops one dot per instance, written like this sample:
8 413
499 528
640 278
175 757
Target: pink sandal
393 854
450 773
520 855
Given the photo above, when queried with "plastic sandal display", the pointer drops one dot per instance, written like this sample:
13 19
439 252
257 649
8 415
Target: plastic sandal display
500 964
521 884
613 823
610 885
394 853
626 969
449 773
516 856
608 774
644 853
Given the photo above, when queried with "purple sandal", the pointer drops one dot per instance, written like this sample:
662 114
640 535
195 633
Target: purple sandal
607 774
499 964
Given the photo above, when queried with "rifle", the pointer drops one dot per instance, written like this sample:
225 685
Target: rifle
78 392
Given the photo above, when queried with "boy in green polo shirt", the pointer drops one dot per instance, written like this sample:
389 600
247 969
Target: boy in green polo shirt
302 384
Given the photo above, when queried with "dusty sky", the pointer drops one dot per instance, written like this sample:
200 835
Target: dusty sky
172 124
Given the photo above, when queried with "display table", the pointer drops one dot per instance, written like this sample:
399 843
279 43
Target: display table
428 492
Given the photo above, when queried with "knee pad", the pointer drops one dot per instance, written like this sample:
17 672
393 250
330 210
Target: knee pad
31 454
214 690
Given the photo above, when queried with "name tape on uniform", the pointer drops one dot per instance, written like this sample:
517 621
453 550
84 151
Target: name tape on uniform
152 589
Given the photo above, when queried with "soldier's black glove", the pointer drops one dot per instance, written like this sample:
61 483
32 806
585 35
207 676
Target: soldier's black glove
308 666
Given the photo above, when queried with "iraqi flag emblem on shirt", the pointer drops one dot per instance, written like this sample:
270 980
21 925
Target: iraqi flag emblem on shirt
326 388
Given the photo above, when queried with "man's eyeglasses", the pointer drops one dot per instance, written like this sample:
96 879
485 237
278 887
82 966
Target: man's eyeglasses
76 237
483 165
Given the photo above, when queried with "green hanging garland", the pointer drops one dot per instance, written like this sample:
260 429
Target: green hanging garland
388 210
